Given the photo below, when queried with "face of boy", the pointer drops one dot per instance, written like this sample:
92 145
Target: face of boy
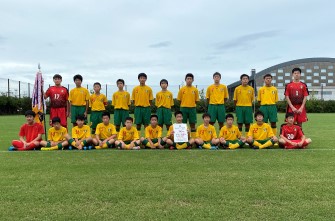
97 88
56 125
105 120
206 120
129 124
30 119
229 121
217 79
77 82
164 85
57 81
142 80
259 118
290 120
189 81
267 81
120 85
153 121
80 123
179 118
245 81
296 75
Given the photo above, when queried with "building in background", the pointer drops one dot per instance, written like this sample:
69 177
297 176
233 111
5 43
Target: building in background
317 73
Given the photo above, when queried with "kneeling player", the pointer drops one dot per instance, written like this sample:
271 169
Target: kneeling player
128 136
230 135
153 134
206 135
56 136
291 135
260 134
105 133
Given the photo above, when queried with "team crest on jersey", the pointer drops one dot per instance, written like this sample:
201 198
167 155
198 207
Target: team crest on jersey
193 92
300 86
273 92
264 129
249 91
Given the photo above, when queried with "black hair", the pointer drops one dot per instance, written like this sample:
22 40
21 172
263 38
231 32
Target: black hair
216 73
29 113
189 75
80 117
96 83
129 118
163 81
106 113
55 120
267 75
78 76
142 75
154 116
206 115
120 80
296 69
244 75
289 114
258 113
229 116
57 76
178 112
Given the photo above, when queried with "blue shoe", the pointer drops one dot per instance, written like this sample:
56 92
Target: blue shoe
85 148
11 148
90 147
70 147
200 147
214 148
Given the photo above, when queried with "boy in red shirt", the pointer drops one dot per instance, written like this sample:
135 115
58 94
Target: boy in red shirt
291 135
30 134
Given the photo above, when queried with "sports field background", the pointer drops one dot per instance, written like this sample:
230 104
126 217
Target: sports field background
194 184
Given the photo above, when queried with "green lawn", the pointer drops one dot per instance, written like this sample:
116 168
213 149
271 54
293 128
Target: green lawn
242 184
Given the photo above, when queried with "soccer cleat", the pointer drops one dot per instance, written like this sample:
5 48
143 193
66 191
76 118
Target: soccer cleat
45 148
136 148
70 147
200 147
90 147
214 148
11 148
276 145
171 147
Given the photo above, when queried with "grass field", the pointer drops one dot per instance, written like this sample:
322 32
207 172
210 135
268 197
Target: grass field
242 184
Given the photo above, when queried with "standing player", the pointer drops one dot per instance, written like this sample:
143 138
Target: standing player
121 102
58 95
98 103
291 136
217 95
164 101
142 97
78 100
243 98
268 97
296 94
188 97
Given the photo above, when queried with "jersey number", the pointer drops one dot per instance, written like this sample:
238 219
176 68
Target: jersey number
290 136
56 96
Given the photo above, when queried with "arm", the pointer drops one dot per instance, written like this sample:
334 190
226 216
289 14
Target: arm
302 105
86 108
290 104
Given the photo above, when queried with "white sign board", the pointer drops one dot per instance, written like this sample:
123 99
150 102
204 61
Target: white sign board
180 133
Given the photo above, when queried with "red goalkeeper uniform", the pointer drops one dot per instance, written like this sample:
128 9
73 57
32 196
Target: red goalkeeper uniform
294 134
58 103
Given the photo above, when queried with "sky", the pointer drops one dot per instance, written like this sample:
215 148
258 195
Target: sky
106 40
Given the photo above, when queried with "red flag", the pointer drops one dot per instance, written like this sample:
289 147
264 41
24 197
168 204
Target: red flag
38 102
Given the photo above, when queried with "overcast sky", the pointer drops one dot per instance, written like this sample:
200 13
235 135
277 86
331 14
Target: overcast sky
106 40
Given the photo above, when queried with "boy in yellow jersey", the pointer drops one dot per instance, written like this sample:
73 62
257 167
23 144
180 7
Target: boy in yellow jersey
188 97
164 102
153 134
169 139
230 136
260 135
217 95
142 97
268 97
105 134
121 102
206 134
78 100
81 135
243 98
56 136
98 103
128 137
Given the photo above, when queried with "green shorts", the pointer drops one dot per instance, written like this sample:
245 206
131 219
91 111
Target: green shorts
120 116
234 142
75 111
142 115
263 141
244 115
145 141
217 112
164 116
270 113
190 114
95 118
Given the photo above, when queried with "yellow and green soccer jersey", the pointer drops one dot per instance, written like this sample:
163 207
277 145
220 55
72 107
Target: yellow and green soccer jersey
188 96
81 133
244 95
267 95
164 99
98 102
57 135
79 96
206 133
217 93
121 100
128 135
231 133
153 133
142 95
260 132
105 131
